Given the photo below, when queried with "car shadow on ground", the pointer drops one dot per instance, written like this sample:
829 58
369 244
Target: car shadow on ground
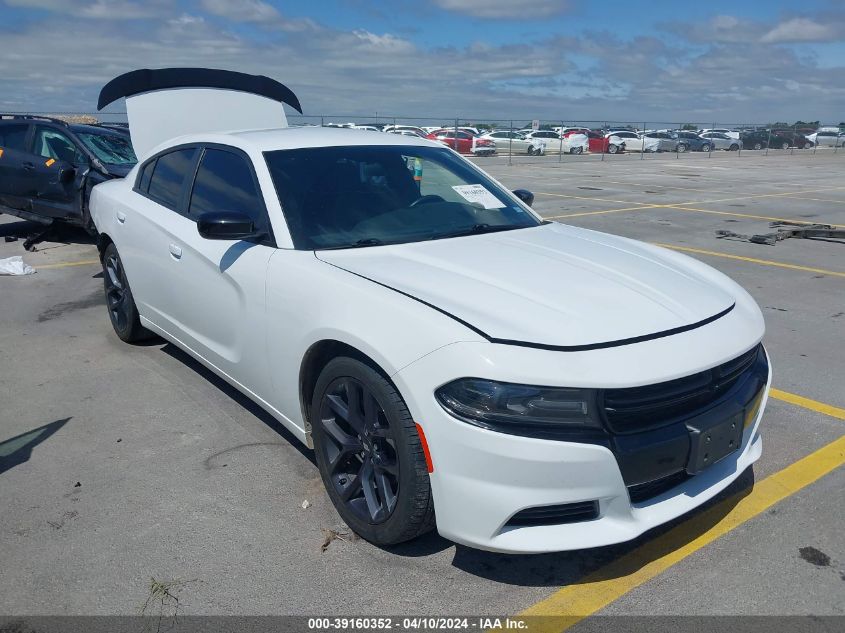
237 396
56 234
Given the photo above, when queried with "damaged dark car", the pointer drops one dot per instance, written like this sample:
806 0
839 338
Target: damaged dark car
49 166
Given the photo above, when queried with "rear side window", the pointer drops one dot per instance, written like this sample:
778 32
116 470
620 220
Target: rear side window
13 136
224 182
146 174
169 176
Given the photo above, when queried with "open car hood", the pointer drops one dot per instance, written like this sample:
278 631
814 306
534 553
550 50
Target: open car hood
550 286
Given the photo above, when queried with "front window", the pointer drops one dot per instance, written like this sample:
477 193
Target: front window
111 149
348 197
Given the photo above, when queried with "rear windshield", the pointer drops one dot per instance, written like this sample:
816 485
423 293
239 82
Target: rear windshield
349 197
111 149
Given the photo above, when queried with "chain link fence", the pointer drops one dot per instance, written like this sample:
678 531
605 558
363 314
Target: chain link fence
521 141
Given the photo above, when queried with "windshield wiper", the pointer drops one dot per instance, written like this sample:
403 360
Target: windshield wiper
369 241
476 229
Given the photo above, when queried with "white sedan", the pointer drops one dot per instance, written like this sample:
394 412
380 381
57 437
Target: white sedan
514 142
635 142
567 142
454 360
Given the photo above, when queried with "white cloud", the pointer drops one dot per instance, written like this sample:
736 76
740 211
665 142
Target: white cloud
502 9
804 30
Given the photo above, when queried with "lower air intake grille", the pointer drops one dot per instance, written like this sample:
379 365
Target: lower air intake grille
644 492
556 515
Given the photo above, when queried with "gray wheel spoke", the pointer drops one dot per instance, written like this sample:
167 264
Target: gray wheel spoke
338 406
368 485
341 438
388 495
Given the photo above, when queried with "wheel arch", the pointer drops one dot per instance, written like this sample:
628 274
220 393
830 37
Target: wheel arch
103 241
316 357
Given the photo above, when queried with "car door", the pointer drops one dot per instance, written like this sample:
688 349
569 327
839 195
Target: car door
633 143
217 303
58 169
16 165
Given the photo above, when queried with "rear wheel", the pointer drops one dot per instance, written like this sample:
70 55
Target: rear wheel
758 145
785 145
369 454
681 148
121 305
808 145
734 147
705 147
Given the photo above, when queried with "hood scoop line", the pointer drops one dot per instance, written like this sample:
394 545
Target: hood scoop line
544 346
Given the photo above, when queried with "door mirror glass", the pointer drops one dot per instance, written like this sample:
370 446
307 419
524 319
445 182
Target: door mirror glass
526 196
226 225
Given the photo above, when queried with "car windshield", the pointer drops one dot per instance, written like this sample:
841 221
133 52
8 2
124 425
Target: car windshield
349 197
111 149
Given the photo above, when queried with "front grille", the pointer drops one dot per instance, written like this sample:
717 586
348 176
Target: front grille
636 409
555 515
648 490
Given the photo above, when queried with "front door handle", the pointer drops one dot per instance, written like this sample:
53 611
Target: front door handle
121 217
28 166
175 251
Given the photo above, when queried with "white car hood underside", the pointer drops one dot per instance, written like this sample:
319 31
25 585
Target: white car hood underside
552 285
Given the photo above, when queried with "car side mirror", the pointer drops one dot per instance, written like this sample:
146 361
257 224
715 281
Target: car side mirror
226 225
526 196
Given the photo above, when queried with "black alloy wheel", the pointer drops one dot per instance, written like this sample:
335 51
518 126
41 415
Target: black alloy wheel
360 452
123 313
369 454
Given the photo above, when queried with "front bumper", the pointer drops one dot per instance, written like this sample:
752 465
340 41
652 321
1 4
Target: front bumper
482 478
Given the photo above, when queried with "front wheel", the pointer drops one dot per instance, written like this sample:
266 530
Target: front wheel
369 454
123 312
758 146
705 148
734 147
681 148
808 145
612 149
784 145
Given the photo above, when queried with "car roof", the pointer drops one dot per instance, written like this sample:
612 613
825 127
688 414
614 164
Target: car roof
269 140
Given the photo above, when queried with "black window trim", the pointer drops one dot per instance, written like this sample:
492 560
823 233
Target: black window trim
269 239
181 207
28 137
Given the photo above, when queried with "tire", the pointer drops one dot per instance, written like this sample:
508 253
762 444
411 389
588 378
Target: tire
369 454
784 145
530 150
681 148
612 148
123 313
734 147
758 146
705 148
808 145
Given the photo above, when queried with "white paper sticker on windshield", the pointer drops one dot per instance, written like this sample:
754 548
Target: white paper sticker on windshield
479 194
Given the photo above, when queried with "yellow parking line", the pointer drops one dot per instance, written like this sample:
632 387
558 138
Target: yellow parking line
753 260
576 215
813 405
770 195
563 195
595 591
682 206
84 262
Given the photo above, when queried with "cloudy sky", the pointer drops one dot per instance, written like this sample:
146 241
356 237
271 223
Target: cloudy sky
648 60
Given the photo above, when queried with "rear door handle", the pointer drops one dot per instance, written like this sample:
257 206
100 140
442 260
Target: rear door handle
121 217
175 251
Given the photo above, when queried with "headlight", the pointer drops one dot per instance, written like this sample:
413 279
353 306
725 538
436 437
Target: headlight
511 408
